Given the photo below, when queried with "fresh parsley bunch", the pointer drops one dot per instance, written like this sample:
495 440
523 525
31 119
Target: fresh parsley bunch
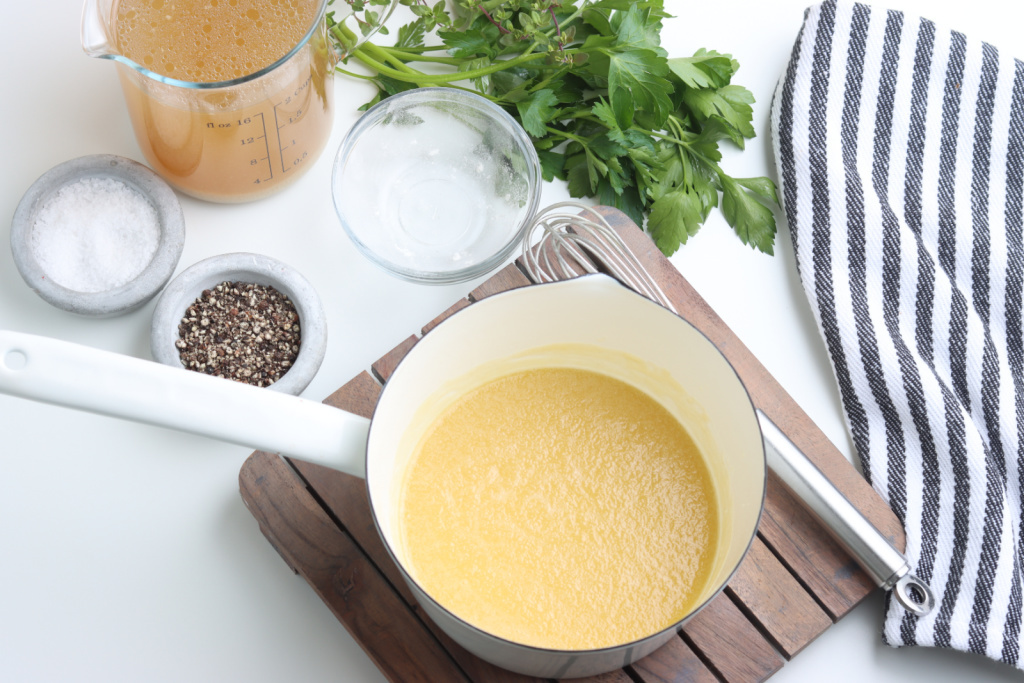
606 108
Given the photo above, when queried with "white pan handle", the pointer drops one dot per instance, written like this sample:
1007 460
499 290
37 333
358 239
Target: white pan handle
76 376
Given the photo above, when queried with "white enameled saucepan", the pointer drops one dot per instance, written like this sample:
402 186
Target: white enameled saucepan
679 367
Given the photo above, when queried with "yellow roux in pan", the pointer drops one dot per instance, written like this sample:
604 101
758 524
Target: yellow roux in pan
558 506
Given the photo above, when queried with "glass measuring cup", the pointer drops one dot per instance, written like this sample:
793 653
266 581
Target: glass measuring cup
240 139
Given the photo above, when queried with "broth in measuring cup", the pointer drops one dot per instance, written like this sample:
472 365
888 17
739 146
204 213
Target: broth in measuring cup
239 141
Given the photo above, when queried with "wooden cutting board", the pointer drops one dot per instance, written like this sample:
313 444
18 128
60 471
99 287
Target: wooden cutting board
794 583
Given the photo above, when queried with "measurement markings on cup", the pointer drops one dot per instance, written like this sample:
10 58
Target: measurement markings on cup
284 117
256 140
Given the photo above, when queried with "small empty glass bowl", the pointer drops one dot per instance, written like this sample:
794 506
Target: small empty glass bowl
436 185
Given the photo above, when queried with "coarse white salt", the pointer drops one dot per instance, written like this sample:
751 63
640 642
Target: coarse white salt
95 234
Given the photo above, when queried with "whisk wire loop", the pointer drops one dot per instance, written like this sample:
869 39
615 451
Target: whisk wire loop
570 244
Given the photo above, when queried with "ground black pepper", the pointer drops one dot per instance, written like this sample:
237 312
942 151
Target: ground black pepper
242 331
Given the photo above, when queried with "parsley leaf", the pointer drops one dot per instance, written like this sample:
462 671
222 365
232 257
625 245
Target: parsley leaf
627 201
536 110
704 69
471 43
635 80
751 219
674 219
552 164
411 34
731 102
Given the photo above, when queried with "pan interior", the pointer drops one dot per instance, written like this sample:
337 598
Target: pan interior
596 324
561 508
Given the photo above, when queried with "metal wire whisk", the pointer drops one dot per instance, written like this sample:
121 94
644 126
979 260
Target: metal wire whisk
572 243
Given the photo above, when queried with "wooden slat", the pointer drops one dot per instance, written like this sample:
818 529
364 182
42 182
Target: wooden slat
476 668
348 583
509 277
674 662
450 311
776 601
731 644
810 553
389 361
358 396
619 676
346 498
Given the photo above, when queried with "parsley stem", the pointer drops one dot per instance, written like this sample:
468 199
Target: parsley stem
420 78
353 74
685 147
491 5
384 69
549 33
345 36
587 116
418 49
405 78
501 29
388 57
567 136
565 22
415 57
544 83
669 138
676 125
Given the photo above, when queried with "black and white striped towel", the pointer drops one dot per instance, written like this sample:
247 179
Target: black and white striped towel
900 152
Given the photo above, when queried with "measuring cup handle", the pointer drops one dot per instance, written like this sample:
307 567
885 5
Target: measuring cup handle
351 31
96 39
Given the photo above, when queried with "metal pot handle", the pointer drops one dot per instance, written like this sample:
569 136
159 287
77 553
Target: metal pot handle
886 566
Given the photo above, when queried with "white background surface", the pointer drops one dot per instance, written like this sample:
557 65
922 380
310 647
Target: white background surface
126 553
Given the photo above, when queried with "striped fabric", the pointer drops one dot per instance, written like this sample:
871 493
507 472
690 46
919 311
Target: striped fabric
899 152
